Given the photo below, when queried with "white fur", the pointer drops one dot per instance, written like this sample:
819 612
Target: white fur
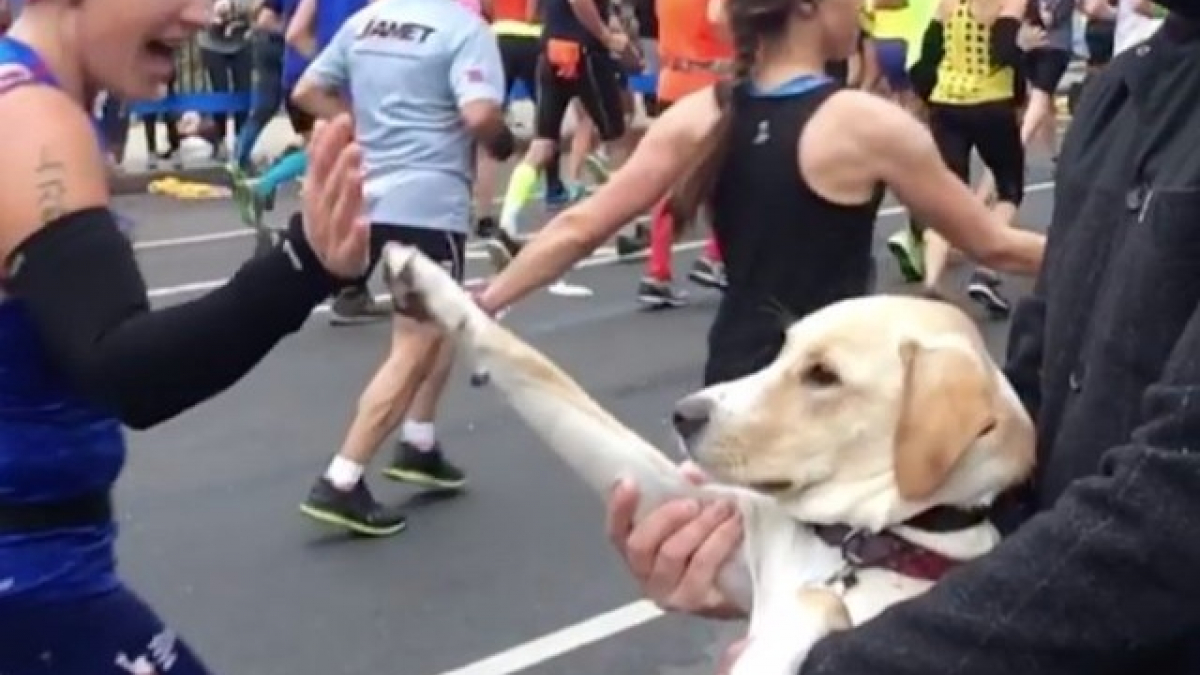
846 480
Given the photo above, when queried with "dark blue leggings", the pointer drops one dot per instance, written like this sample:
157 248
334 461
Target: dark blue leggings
110 634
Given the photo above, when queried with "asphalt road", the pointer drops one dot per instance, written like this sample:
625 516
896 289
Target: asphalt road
513 576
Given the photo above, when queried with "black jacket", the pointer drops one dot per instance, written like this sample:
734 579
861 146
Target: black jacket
1106 353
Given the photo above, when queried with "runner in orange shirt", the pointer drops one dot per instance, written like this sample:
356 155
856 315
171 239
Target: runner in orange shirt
694 55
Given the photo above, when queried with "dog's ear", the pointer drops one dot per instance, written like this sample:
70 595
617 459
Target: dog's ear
946 404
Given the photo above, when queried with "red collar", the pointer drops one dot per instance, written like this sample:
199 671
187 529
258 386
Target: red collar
885 550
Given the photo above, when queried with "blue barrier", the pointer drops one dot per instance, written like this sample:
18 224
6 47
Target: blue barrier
205 103
210 103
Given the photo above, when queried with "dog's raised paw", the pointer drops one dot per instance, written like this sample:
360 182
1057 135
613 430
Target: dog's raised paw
400 275
422 290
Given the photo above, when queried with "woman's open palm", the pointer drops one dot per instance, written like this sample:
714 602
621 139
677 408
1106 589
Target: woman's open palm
334 223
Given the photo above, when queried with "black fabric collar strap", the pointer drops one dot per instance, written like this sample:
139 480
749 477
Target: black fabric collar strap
946 519
885 550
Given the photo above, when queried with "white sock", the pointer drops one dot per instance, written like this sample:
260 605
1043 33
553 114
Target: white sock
421 435
344 473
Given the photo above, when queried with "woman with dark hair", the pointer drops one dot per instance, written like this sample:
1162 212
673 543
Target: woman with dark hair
82 353
791 167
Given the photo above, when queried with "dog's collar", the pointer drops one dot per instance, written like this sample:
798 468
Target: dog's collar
886 550
942 519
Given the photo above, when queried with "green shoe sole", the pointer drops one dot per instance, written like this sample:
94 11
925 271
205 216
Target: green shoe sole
422 479
331 518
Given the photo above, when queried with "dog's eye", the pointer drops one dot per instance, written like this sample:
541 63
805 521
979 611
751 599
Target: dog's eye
820 375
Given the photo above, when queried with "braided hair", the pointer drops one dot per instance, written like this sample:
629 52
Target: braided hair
750 23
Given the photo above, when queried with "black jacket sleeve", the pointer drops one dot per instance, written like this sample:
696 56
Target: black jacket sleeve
1105 576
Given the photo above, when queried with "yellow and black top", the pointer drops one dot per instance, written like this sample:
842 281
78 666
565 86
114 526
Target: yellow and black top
969 73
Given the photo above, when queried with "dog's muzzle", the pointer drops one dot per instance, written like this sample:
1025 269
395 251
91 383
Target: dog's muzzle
690 419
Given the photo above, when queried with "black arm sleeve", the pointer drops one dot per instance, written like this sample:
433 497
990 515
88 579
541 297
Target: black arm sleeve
1004 49
83 288
923 73
1097 584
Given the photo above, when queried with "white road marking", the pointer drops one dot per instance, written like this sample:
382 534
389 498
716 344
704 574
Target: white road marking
474 250
224 235
562 641
603 256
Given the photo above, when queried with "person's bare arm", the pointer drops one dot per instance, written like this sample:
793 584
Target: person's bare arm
902 154
716 17
318 98
301 30
43 180
1098 9
1147 9
589 15
267 19
660 159
477 78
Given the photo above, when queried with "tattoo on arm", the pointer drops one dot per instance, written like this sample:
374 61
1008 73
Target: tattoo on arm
51 186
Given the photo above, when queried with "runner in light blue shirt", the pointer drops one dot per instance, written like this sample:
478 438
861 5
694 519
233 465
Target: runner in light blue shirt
425 84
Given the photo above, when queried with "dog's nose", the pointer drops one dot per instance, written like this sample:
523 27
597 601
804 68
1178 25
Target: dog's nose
691 416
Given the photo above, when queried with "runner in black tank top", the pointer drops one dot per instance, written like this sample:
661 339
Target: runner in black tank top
791 251
791 166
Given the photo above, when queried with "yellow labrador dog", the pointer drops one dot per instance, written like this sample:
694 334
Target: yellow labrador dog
859 459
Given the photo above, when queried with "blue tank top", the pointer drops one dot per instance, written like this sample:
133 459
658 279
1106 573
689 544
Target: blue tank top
53 444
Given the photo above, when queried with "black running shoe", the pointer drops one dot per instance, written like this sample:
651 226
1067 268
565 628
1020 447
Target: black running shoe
709 273
656 294
486 227
355 305
984 288
425 468
502 247
629 245
355 510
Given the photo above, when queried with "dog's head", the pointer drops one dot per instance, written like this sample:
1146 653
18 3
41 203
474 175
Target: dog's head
875 409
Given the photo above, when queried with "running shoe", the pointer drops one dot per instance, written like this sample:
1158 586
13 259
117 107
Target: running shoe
501 248
426 468
908 248
355 306
355 510
629 245
486 227
597 166
709 273
556 197
245 194
984 288
656 294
